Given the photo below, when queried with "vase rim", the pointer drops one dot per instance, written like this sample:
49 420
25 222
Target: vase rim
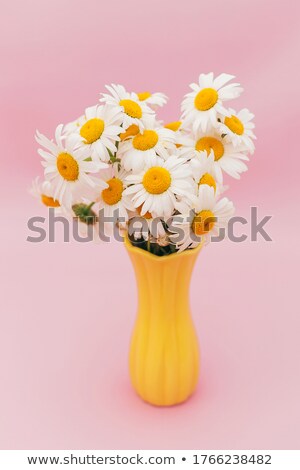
160 259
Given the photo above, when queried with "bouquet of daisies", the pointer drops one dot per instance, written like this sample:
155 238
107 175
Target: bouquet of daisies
117 167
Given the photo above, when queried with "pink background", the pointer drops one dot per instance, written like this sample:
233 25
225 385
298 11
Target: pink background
67 310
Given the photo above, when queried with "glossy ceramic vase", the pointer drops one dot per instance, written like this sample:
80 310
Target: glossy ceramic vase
164 353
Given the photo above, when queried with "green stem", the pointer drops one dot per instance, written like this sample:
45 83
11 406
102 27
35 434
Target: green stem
90 206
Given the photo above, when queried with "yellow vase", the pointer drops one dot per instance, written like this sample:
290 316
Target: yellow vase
164 354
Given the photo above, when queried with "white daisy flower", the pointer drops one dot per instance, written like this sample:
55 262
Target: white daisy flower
153 99
149 142
207 219
202 106
179 131
133 110
155 188
112 200
65 166
45 193
99 131
202 165
73 126
238 128
227 158
145 226
131 131
204 171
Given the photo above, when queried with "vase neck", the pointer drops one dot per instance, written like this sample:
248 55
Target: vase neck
164 282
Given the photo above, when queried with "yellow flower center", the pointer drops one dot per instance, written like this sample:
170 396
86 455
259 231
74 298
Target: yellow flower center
113 194
209 180
206 99
67 167
49 201
131 108
144 95
211 143
173 126
156 180
203 222
147 215
130 132
235 125
92 130
145 141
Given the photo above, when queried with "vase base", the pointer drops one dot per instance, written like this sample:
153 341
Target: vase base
166 404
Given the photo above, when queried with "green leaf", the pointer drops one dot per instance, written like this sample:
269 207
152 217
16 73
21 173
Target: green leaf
85 213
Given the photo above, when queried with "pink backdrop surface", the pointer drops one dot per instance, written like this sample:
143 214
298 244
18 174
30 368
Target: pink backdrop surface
67 310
